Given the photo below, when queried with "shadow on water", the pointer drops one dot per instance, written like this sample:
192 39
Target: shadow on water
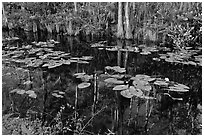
134 63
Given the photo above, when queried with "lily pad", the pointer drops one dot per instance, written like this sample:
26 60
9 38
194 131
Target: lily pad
28 82
118 76
126 93
137 93
62 93
145 53
114 81
163 57
67 62
19 61
142 46
177 89
48 50
16 56
97 45
59 92
140 82
82 62
73 61
56 91
32 95
75 58
120 87
30 92
14 90
181 86
116 69
151 79
147 97
171 60
86 77
20 91
84 85
112 49
35 63
79 74
58 57
161 83
192 63
56 95
156 59
54 64
53 41
28 47
142 85
132 89
39 53
188 48
142 76
87 58
45 65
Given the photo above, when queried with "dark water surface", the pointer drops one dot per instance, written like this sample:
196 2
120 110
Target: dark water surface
133 62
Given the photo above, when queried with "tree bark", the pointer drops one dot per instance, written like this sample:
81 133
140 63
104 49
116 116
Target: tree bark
120 32
69 28
128 32
181 6
75 7
5 21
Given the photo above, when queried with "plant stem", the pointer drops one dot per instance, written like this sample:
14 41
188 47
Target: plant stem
76 96
91 119
77 66
147 114
131 104
44 101
94 94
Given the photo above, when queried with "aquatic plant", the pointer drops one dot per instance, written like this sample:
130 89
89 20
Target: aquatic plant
182 57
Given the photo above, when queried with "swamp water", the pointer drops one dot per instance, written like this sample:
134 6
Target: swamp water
93 107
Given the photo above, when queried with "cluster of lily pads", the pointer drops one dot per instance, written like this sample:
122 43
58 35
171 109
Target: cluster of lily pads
10 39
182 57
85 78
30 93
49 43
41 54
142 49
141 85
58 94
147 50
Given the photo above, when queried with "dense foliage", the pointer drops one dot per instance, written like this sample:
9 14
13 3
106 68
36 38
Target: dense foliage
148 21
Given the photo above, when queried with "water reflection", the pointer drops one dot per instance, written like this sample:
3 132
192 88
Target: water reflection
135 63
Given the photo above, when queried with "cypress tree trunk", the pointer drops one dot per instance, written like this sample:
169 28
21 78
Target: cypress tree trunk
128 34
69 28
35 27
5 21
120 32
181 6
119 54
75 7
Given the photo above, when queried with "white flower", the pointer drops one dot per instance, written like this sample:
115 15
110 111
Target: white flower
166 79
